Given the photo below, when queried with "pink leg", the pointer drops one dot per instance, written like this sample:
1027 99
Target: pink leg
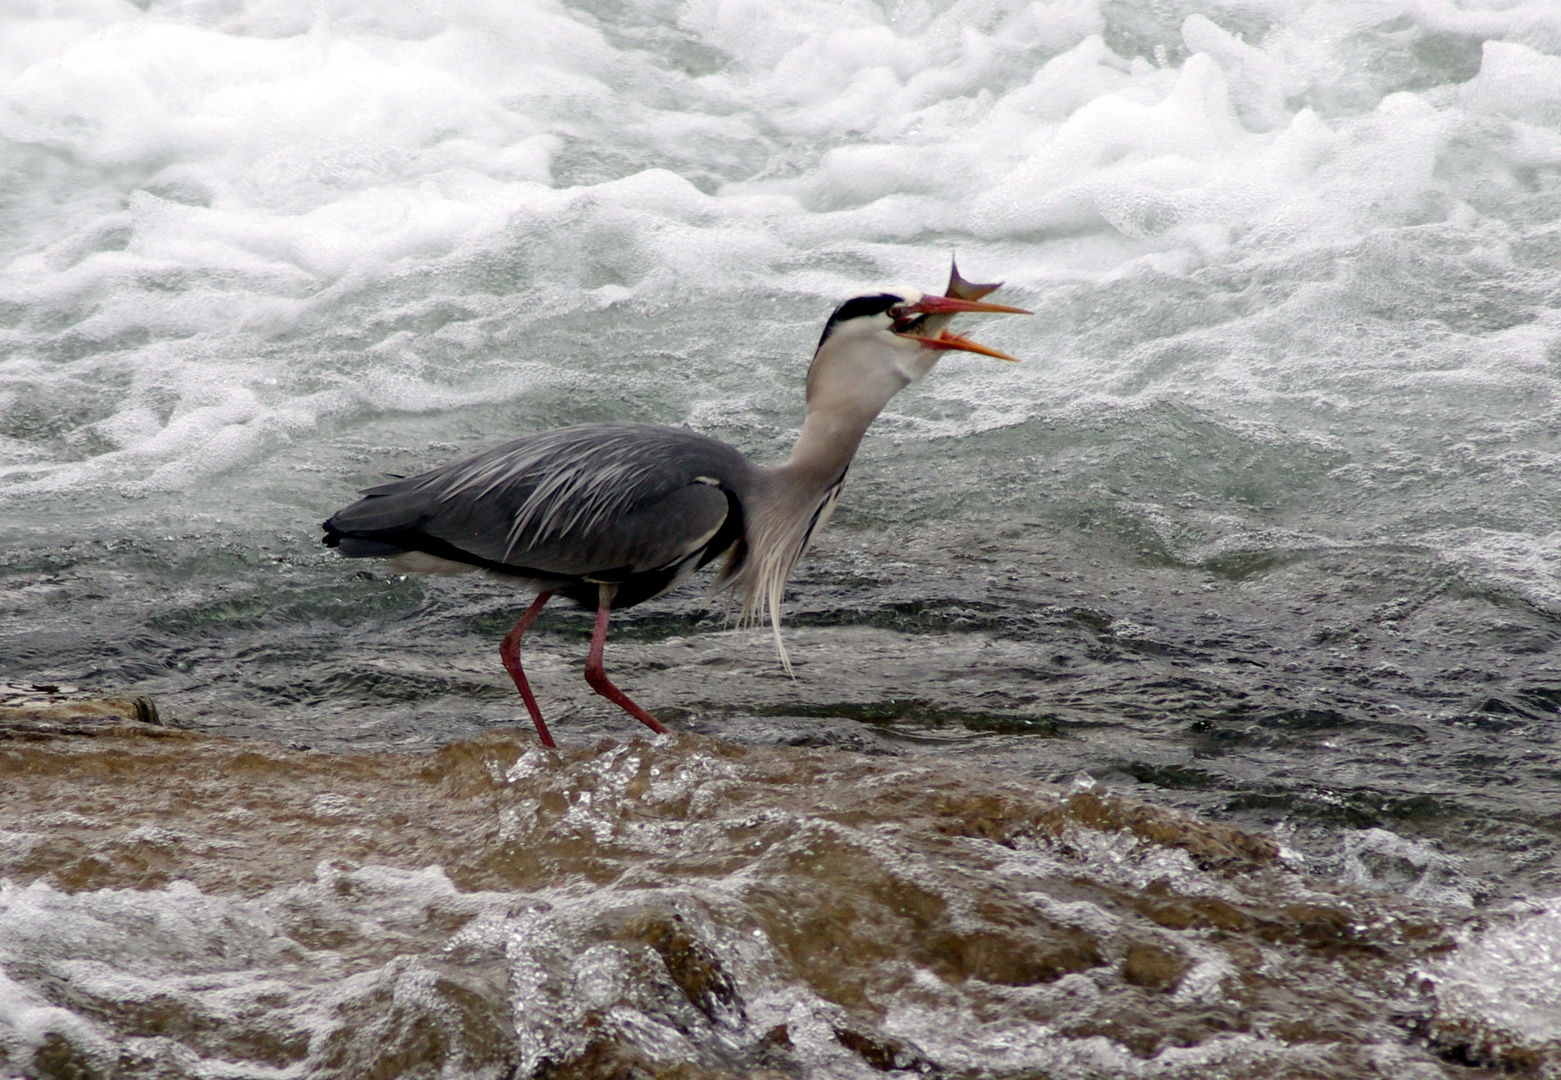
509 652
596 675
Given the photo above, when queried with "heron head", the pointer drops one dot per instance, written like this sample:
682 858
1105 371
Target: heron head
889 339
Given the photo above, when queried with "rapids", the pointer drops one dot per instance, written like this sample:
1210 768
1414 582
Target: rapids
1263 531
683 908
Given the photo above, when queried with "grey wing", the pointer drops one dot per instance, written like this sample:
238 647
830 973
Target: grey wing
663 532
572 502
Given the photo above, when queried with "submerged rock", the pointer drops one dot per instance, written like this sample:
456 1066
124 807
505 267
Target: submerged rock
39 709
677 907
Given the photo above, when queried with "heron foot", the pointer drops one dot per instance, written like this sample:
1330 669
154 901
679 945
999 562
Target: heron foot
509 652
596 674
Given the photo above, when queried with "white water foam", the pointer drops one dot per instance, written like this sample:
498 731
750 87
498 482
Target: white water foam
1502 982
191 184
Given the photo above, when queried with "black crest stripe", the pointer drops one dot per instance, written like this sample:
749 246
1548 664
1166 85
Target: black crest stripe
858 306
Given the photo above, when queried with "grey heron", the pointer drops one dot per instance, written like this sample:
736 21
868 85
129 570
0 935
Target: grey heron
613 514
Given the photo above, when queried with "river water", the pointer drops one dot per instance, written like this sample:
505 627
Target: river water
1179 702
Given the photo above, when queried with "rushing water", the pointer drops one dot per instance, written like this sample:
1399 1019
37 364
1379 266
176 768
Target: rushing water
1263 530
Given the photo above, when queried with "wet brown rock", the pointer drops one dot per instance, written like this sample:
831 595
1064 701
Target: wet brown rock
57 1059
885 1055
1476 1046
1211 844
863 886
1182 913
692 966
1152 967
607 1060
43 710
1012 960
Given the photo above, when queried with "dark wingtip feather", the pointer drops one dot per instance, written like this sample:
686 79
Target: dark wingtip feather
355 547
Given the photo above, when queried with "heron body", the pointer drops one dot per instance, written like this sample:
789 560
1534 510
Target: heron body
611 515
639 506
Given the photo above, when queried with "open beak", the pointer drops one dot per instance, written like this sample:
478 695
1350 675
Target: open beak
948 306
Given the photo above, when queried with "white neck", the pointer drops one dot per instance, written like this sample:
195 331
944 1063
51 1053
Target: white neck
851 381
852 378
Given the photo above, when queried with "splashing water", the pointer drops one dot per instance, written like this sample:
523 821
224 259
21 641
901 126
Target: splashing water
497 910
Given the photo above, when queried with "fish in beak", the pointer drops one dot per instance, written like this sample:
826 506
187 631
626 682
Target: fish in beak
926 321
961 289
